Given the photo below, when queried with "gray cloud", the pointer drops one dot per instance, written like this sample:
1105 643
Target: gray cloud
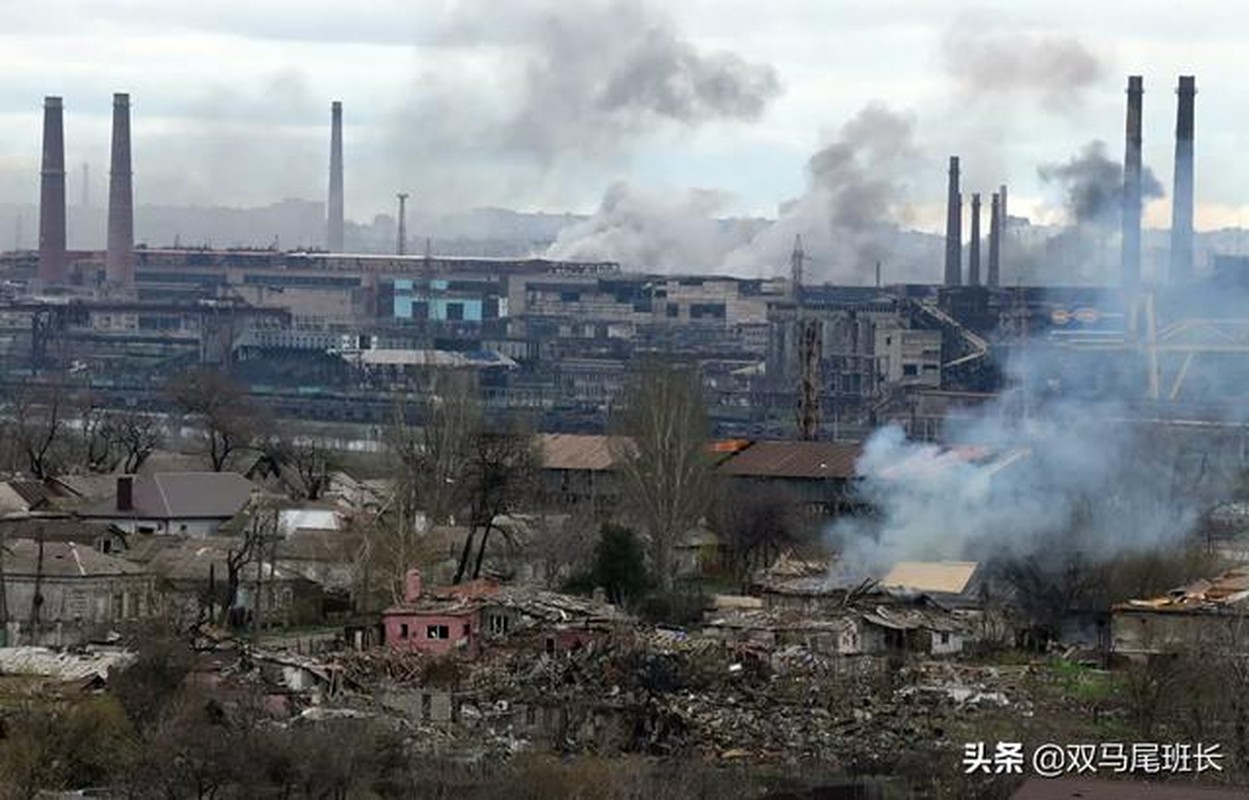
595 76
1054 68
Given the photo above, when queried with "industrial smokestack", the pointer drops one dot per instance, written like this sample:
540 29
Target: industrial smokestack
1182 197
52 195
119 263
954 229
402 237
1131 266
995 239
334 225
973 255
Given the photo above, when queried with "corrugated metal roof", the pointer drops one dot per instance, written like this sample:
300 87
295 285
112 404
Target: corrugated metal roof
950 577
829 460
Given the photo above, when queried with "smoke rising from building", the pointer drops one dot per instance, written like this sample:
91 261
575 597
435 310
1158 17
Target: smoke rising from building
1025 476
1091 184
666 231
857 196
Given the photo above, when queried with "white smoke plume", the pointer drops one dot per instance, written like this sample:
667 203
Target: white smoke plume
1038 470
652 230
857 197
849 217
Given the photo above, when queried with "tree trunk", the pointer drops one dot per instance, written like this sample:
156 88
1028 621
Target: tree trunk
481 551
464 555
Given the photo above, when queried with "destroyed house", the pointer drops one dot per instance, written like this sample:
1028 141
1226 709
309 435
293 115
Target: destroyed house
64 593
952 583
194 572
1202 614
465 616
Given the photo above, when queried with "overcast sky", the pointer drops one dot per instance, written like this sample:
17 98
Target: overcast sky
542 104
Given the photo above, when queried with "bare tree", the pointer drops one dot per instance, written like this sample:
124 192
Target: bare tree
500 476
135 435
665 471
307 462
40 426
230 421
433 456
755 525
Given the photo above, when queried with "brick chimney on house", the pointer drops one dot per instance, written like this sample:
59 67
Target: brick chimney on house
125 493
412 586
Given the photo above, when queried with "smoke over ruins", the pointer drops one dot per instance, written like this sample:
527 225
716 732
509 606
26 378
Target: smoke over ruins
1039 474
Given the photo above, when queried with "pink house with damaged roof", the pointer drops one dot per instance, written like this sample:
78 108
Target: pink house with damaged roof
435 624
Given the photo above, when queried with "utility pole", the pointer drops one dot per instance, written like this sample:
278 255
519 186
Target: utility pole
403 223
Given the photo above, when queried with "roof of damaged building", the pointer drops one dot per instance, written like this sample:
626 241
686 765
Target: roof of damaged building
62 560
942 577
198 559
1215 594
809 460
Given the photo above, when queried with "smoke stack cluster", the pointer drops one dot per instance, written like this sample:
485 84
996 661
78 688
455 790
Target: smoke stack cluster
1182 196
119 261
52 258
334 224
1131 261
954 229
973 254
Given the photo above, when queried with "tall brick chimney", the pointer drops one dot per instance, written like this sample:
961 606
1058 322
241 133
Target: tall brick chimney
1131 254
953 229
334 223
52 259
119 261
1182 196
973 254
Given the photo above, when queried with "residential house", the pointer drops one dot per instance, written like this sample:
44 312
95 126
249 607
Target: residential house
194 571
437 623
24 497
1204 614
65 593
818 476
186 503
467 616
62 528
578 471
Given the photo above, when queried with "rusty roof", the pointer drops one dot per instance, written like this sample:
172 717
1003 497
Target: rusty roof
820 460
572 451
